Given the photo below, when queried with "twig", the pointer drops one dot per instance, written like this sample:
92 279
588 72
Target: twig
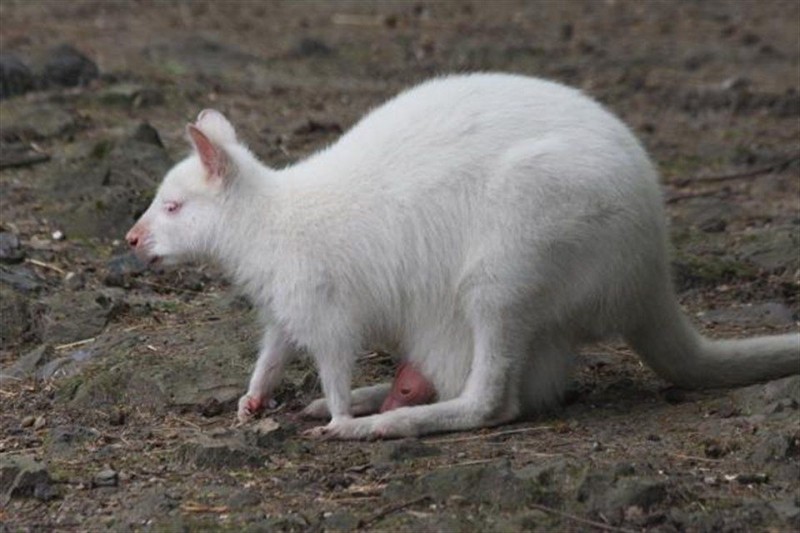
74 344
694 458
386 511
466 463
492 435
192 507
685 196
746 174
45 265
586 521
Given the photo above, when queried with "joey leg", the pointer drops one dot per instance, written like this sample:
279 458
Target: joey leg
363 401
275 352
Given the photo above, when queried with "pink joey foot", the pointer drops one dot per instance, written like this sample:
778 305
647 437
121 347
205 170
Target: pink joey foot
251 405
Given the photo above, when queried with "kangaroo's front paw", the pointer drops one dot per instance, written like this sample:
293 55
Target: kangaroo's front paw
249 407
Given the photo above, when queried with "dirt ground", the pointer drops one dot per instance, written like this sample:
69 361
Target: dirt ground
118 384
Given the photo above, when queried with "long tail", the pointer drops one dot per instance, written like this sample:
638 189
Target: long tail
671 346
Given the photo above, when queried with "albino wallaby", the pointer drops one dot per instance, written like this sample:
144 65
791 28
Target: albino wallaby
479 226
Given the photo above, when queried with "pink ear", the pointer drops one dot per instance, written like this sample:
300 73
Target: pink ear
214 159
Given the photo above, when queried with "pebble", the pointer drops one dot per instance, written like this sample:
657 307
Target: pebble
15 77
68 67
73 281
10 251
28 421
106 478
39 423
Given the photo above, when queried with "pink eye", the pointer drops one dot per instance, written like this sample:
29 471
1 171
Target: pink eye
172 207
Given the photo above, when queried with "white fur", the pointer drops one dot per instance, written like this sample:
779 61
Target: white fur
482 226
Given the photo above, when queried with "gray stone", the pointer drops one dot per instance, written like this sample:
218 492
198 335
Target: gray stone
604 492
15 313
775 447
20 278
145 133
773 250
26 365
222 451
404 450
67 67
492 483
766 314
640 492
64 438
36 120
788 510
121 268
15 77
22 476
70 317
10 251
106 478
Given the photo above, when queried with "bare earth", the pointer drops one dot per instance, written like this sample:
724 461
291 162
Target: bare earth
118 385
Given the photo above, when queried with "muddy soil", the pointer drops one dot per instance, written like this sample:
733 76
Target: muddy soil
119 383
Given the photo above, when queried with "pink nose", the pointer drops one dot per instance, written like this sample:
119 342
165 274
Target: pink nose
134 236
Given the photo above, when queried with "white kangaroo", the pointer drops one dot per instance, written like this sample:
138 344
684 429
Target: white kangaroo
481 226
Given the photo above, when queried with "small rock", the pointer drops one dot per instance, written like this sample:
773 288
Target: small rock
597 446
27 365
121 268
106 478
211 407
224 452
714 449
145 133
116 417
308 47
71 317
27 421
10 251
15 77
74 282
67 67
787 509
39 423
404 450
63 437
15 325
492 483
267 433
19 277
22 476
